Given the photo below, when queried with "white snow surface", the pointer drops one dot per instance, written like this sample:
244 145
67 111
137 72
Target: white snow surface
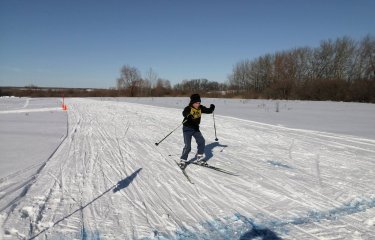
106 179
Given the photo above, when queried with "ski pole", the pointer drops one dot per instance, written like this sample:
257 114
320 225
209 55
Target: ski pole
170 133
213 116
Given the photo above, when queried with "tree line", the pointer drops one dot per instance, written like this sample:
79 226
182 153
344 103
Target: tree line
339 70
130 83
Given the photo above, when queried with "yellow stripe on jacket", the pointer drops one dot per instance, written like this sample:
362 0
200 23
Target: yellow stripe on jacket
195 113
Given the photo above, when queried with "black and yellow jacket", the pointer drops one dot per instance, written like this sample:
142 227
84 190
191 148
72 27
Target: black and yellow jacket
193 115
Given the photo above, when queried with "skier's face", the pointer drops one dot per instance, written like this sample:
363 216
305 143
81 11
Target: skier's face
196 104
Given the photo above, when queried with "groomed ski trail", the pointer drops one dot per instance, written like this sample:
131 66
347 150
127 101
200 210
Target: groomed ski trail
109 181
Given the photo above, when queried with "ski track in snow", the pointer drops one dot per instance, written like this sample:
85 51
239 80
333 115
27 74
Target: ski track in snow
31 110
108 180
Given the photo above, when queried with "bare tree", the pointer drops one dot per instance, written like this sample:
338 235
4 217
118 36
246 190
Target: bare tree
303 61
323 60
130 79
152 77
143 88
240 79
162 88
344 49
367 56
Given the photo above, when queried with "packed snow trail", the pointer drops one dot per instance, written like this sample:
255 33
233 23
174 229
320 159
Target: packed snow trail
108 180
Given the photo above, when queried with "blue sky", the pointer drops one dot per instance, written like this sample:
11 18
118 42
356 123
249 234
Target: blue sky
85 43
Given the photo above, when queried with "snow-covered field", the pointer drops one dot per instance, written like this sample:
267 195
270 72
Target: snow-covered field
304 172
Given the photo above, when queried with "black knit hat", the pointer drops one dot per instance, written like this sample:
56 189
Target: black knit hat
195 98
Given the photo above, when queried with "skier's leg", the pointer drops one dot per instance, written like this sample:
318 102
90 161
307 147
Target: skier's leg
188 133
200 142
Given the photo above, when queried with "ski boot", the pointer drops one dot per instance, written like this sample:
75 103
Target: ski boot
182 164
200 160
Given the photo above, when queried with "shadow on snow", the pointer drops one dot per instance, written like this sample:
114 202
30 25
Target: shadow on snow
245 228
208 151
235 227
126 181
117 187
257 233
277 164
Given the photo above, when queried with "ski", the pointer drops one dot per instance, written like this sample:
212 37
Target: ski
215 168
184 172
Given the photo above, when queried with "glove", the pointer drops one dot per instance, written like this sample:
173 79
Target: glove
212 107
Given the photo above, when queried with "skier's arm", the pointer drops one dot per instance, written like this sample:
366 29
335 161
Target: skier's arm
186 113
208 110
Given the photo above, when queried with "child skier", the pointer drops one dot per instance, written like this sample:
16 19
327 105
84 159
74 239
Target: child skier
192 118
